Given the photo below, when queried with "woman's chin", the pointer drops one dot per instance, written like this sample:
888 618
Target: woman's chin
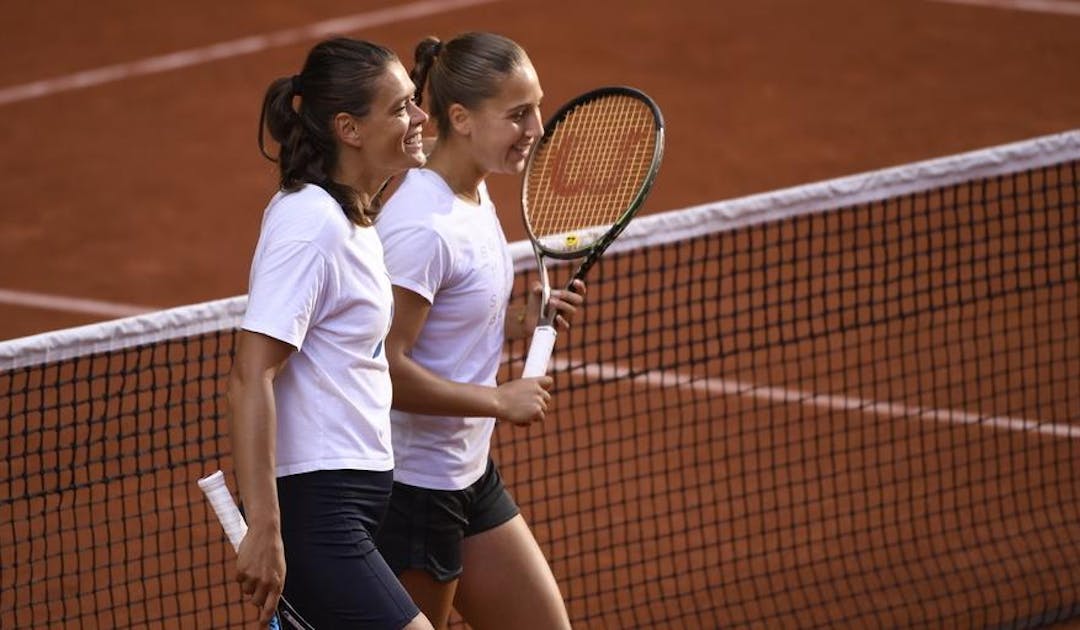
412 157
514 165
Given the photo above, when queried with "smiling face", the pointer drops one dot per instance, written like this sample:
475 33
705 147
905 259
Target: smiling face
390 133
503 129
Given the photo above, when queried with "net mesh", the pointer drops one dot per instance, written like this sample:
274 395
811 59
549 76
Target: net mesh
824 407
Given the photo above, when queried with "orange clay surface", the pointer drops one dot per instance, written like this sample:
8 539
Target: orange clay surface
148 190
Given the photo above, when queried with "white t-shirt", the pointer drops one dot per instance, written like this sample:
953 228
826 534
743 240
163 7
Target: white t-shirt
454 255
318 283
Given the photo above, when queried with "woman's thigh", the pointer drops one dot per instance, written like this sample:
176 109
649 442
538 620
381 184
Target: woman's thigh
507 583
334 575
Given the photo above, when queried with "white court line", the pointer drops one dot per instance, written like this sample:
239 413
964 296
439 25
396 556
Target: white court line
229 49
1057 7
605 372
70 304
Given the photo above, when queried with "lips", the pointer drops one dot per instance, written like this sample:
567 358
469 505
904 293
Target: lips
522 149
415 139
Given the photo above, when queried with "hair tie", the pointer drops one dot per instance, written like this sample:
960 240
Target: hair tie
436 49
297 84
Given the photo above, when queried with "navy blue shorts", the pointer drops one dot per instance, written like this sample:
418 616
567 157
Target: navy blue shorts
334 575
424 528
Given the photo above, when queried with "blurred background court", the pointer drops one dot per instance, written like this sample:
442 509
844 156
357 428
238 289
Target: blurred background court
147 191
863 418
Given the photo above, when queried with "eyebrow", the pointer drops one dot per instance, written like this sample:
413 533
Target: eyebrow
401 99
515 108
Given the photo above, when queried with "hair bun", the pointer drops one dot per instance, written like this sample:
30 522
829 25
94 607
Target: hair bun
428 49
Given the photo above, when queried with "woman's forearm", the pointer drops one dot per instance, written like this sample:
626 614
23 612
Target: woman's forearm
419 390
253 429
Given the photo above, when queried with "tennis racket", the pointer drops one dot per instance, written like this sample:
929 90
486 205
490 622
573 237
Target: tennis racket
584 181
232 521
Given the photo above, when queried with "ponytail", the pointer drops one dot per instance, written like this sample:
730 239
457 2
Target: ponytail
339 76
426 53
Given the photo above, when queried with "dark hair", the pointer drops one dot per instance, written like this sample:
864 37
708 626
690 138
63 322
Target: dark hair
468 69
339 75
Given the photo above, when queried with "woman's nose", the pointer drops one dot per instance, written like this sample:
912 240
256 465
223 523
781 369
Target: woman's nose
418 115
535 128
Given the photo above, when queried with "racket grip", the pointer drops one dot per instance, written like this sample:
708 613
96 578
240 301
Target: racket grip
232 521
213 486
543 342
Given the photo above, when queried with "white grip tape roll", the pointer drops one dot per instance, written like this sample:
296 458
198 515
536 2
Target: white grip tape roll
228 514
543 342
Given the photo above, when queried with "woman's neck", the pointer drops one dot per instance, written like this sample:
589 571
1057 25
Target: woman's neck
460 173
353 175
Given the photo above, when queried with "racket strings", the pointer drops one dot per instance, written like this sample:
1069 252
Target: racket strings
601 191
592 166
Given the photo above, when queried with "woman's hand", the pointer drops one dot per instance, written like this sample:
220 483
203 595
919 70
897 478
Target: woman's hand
565 304
260 569
523 401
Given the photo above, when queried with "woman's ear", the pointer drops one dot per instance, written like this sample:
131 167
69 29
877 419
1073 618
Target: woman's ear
348 129
460 119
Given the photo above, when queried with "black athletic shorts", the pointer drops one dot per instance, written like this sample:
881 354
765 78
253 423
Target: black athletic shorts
334 575
424 528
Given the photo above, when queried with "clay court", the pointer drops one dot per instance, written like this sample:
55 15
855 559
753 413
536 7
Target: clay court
145 191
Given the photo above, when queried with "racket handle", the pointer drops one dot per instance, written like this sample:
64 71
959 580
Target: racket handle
232 521
213 486
543 342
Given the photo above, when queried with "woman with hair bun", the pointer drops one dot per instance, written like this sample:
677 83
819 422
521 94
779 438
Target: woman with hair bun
309 391
453 534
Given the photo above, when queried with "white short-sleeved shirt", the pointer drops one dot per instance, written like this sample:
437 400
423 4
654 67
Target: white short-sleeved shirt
453 254
318 283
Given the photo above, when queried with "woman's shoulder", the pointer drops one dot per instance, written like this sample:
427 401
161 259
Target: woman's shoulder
420 192
308 200
416 203
307 214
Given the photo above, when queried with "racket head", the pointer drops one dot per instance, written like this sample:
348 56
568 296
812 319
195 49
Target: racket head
591 170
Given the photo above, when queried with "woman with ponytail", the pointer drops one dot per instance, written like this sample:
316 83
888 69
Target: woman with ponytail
453 534
309 391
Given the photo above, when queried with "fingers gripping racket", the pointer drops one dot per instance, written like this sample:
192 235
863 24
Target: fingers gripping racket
584 182
232 521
